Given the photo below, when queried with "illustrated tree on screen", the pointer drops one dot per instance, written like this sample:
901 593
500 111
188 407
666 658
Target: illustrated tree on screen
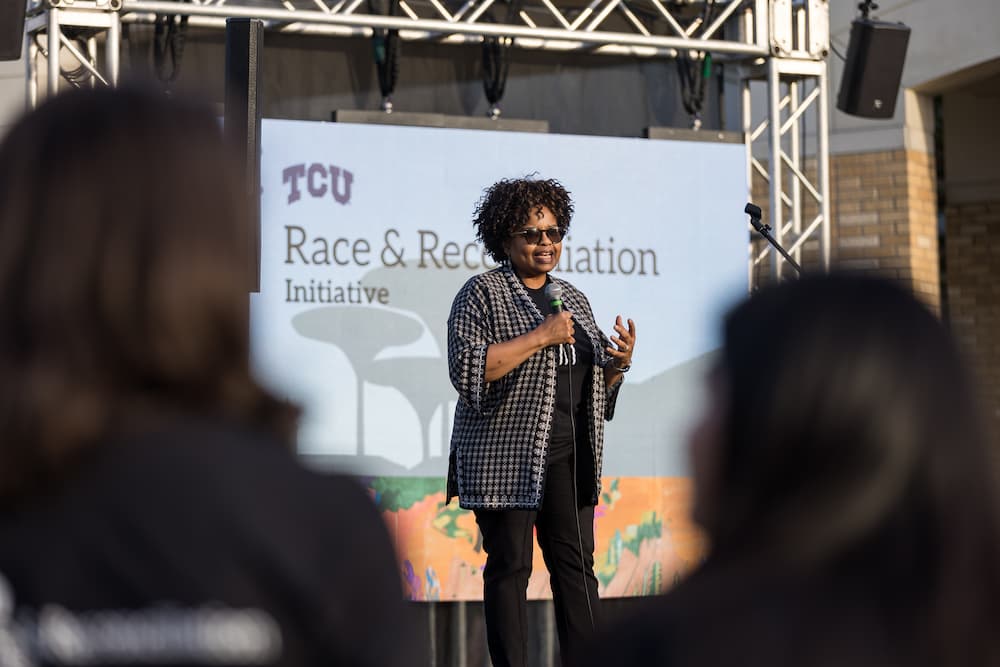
427 293
423 381
361 332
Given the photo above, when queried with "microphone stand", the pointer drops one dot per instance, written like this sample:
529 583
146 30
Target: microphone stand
765 231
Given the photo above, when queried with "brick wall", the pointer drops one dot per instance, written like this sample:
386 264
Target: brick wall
972 256
884 209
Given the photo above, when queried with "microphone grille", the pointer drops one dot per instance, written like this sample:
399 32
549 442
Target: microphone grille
553 292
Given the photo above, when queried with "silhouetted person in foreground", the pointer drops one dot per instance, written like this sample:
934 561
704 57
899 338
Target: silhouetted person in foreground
846 491
152 510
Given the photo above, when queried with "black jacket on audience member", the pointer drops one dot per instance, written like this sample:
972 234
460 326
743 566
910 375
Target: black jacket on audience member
202 517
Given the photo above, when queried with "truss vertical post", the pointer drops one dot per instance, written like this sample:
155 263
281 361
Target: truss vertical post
112 47
795 157
54 32
796 76
746 110
774 166
31 70
762 16
823 162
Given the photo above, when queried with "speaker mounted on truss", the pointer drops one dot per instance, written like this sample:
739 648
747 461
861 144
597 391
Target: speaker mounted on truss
11 29
873 67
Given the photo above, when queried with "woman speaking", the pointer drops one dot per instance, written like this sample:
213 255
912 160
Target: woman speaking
536 379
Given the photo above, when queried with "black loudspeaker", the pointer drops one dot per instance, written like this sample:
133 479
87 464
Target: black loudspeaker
244 77
11 28
874 67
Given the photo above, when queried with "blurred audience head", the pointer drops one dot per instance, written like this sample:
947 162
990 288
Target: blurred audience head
840 408
842 435
124 277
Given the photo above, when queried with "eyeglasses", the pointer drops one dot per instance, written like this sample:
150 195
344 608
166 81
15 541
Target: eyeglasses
533 236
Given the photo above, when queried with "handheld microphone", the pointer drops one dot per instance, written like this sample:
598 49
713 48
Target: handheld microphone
553 293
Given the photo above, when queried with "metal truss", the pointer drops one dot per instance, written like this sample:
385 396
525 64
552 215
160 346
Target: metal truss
794 87
781 42
640 28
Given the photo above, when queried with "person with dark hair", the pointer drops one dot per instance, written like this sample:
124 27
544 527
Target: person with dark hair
152 509
844 485
535 385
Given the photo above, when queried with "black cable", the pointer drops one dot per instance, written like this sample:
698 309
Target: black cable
837 53
693 72
385 48
169 35
495 65
78 75
496 56
690 74
576 499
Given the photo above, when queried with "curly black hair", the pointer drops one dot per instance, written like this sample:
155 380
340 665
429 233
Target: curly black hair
506 205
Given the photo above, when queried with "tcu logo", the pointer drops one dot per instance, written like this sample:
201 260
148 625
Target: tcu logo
320 180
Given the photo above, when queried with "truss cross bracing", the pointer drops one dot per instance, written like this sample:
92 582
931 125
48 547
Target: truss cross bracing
784 43
797 170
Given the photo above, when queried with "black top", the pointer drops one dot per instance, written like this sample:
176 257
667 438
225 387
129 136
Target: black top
574 367
206 530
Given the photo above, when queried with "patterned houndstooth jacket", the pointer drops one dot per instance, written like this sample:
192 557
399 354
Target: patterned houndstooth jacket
500 439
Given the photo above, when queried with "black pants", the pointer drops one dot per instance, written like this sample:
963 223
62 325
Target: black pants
507 539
